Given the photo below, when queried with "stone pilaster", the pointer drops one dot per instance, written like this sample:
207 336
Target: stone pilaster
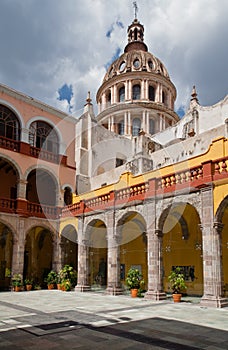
212 264
155 268
114 283
21 188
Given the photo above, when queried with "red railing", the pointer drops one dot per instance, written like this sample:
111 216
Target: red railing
195 177
192 178
22 147
12 145
43 211
28 209
44 155
8 205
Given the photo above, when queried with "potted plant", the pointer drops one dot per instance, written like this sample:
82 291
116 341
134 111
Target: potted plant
67 277
51 279
58 282
133 281
177 283
66 285
28 283
17 282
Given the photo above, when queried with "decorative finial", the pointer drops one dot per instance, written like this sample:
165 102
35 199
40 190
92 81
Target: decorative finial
194 94
136 8
88 100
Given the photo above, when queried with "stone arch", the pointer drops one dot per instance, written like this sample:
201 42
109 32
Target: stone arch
42 182
69 246
179 224
14 110
38 253
48 121
10 174
131 228
96 238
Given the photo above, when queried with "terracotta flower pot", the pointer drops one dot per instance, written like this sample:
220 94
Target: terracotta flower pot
134 293
177 297
28 287
51 286
17 289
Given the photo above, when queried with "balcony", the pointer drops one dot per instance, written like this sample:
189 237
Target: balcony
26 149
28 209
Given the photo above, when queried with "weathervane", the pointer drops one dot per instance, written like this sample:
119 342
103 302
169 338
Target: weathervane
136 8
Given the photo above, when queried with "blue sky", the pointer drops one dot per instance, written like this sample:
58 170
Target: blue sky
57 51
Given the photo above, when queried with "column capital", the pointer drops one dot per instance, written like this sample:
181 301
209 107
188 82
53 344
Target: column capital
158 233
218 226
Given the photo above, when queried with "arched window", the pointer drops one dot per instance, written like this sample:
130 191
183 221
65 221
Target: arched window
136 92
136 126
121 128
122 94
151 126
151 93
9 124
42 135
108 98
67 196
164 98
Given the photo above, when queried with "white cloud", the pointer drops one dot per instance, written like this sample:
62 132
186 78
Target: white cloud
48 43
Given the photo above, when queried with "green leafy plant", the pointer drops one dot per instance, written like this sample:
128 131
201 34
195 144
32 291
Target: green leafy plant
66 285
67 273
134 279
29 281
37 287
7 272
17 280
51 277
176 280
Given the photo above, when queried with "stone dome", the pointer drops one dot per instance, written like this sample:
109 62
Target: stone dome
136 61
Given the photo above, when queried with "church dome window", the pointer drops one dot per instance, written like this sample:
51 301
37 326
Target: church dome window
136 126
121 127
136 63
150 64
136 92
151 93
122 66
122 94
151 126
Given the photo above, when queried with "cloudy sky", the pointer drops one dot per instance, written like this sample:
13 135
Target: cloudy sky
57 50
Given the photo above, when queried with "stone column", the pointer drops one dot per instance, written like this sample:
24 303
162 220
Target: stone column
112 94
129 124
130 90
155 267
18 248
125 123
146 90
57 262
114 283
21 188
83 284
212 266
112 124
143 89
115 94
